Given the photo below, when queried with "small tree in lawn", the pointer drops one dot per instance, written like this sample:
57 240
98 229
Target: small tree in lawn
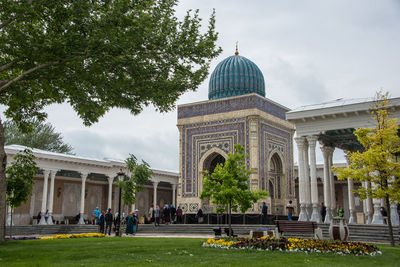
20 180
377 163
228 185
140 174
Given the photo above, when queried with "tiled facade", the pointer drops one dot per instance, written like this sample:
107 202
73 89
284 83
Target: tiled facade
214 127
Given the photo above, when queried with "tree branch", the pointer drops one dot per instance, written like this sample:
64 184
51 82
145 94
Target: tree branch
5 23
9 64
22 76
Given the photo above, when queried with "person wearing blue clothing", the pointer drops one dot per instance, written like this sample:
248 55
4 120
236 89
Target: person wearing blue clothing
290 210
96 213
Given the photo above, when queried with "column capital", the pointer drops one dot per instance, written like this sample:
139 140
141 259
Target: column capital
327 150
84 176
312 140
155 183
300 141
110 179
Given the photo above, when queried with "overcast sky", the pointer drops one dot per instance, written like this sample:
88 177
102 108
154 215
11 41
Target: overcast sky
309 52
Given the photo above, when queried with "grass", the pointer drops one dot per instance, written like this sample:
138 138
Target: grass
143 251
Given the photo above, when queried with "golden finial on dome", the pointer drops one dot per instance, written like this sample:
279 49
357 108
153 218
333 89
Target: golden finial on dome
237 51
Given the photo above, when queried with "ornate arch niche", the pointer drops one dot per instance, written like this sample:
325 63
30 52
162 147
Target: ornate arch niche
208 162
276 176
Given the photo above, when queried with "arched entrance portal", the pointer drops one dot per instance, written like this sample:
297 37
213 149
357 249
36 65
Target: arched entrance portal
212 161
276 175
208 163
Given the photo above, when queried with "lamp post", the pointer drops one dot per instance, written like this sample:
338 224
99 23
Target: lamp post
120 176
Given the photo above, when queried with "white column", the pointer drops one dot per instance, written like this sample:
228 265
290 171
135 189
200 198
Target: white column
327 185
46 174
352 201
110 184
8 221
307 188
174 194
315 217
368 205
155 185
300 147
377 218
394 215
332 183
82 210
51 196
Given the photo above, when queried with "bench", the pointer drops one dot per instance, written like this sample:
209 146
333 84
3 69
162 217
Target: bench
295 226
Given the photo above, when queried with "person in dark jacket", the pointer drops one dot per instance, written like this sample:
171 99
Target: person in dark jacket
179 214
39 216
173 213
108 218
101 222
167 214
200 216
264 211
323 211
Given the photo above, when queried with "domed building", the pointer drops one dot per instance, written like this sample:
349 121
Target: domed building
236 112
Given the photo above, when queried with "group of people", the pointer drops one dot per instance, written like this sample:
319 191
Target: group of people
264 211
167 215
339 211
105 220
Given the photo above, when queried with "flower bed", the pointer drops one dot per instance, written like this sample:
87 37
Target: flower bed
294 245
73 236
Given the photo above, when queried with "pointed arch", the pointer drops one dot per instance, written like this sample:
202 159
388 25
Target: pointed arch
276 173
211 157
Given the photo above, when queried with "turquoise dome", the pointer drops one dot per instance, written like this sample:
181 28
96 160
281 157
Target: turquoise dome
235 75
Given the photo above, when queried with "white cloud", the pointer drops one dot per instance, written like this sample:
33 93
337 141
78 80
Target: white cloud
309 52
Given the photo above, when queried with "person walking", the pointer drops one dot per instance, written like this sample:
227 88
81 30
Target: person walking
323 211
46 216
179 214
131 225
96 214
109 220
101 222
151 214
290 210
39 216
167 214
200 215
157 216
173 214
264 211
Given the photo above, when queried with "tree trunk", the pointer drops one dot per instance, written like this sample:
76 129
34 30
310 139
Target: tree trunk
11 224
230 219
389 219
3 207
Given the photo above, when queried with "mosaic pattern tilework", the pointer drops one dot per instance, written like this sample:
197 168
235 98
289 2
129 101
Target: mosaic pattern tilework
232 104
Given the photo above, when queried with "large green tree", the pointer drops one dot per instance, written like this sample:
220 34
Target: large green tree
43 136
20 179
228 187
377 162
96 55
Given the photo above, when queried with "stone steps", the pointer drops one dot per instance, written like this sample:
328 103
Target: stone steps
370 233
51 229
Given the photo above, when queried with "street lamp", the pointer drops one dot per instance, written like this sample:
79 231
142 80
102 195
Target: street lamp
120 177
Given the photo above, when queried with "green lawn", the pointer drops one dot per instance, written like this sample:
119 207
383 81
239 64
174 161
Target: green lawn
167 251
